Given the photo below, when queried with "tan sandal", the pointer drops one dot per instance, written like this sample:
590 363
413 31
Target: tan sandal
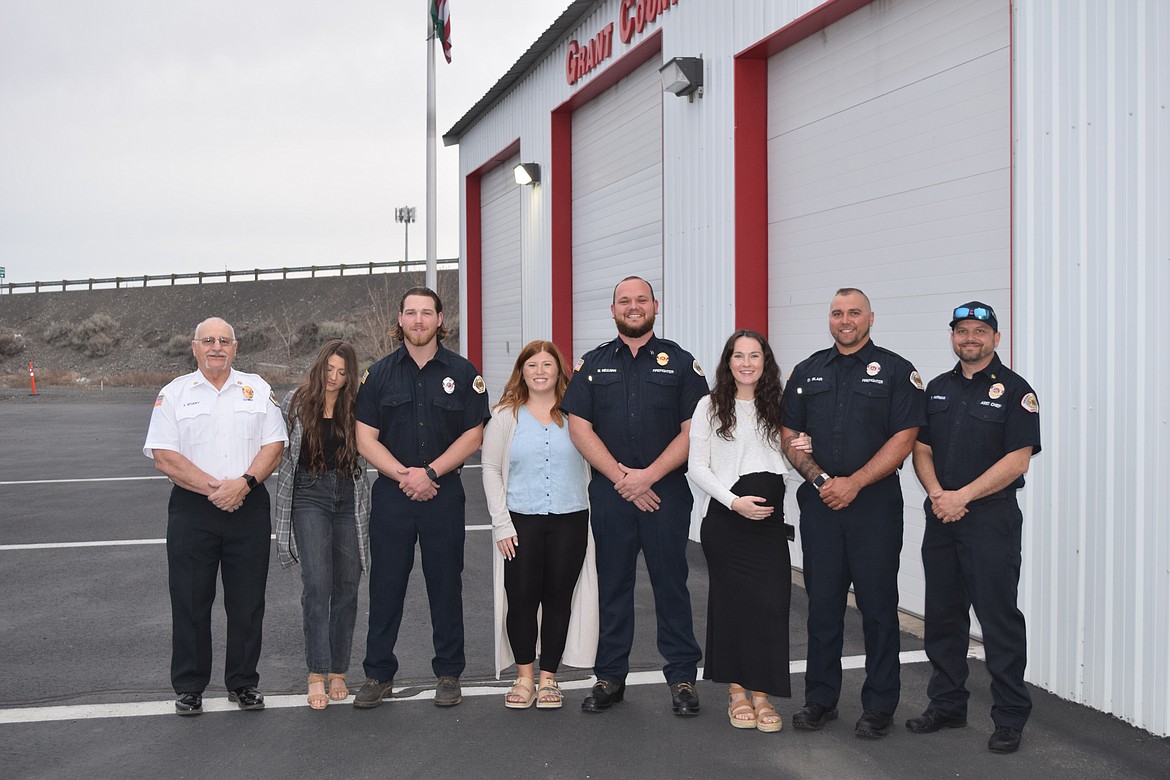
522 694
317 699
767 719
338 690
550 696
737 708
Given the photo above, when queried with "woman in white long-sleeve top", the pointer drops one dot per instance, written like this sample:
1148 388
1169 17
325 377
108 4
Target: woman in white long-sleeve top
735 458
535 481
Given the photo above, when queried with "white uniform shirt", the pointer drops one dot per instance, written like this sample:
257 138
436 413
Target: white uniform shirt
220 431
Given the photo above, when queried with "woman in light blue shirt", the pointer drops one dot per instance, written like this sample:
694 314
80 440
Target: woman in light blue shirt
535 481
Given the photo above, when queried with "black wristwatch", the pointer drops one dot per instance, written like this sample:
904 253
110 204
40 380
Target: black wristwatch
431 475
252 483
819 480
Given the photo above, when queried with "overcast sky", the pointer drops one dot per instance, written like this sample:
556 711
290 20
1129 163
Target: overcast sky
161 136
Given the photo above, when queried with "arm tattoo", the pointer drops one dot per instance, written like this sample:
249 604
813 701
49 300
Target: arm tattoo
801 461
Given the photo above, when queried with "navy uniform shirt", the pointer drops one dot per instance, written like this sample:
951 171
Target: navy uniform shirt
420 412
852 405
972 423
636 403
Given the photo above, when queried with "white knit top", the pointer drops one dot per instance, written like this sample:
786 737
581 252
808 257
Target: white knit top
715 464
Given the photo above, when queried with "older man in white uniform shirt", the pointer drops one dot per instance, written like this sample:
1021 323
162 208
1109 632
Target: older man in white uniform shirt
217 433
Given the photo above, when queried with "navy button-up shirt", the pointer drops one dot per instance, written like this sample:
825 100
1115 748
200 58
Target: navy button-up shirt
972 423
420 412
637 404
852 405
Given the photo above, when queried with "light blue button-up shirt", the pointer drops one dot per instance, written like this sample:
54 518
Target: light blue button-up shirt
543 466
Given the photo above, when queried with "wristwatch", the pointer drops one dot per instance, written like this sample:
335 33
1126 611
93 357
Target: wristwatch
252 483
819 480
431 475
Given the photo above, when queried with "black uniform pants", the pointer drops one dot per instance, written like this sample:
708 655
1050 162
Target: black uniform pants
620 530
201 541
860 544
437 526
975 562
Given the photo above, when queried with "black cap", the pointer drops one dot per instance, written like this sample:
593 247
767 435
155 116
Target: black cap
975 310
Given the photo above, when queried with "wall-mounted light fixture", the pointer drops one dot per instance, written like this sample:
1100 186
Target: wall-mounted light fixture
527 173
683 76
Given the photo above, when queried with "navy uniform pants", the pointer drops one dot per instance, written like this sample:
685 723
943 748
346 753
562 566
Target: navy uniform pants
860 544
620 530
975 562
396 524
202 541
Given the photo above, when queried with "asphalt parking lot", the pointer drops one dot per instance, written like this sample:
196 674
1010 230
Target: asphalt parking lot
86 645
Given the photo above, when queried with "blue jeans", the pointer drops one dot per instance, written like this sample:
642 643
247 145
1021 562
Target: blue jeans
326 531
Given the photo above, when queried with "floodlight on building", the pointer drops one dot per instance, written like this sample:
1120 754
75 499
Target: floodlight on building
683 76
527 173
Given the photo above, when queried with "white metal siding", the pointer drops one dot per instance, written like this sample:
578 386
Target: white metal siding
888 154
617 199
502 299
1092 248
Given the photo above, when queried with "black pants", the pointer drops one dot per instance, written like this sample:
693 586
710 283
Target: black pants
620 530
544 573
860 544
201 540
975 562
437 526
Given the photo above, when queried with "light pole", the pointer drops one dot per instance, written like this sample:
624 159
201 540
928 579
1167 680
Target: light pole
405 215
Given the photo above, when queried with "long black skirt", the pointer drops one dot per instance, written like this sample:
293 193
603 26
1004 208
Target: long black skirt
751 587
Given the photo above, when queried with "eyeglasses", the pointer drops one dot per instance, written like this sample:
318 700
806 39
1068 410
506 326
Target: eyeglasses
977 313
209 341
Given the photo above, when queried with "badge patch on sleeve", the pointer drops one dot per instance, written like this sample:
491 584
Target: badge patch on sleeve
478 386
1030 403
697 367
916 380
272 398
364 377
577 366
158 401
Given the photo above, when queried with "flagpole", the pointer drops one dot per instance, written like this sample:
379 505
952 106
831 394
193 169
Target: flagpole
432 268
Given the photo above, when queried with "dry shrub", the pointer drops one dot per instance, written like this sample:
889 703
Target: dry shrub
11 344
57 333
96 336
251 340
178 346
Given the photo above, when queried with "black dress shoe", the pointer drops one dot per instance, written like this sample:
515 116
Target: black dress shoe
603 696
189 704
874 724
813 717
247 697
1004 739
683 699
931 721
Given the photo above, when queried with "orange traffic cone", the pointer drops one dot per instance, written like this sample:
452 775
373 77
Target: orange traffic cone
32 378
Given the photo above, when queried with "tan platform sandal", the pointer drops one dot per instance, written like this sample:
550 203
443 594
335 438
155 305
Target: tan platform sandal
522 694
739 709
317 698
767 719
550 697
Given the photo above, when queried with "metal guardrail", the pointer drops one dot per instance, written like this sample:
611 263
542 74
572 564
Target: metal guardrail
227 276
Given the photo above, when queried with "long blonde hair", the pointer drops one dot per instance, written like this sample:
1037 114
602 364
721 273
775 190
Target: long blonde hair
515 392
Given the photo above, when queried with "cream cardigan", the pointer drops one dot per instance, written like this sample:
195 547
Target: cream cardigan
581 644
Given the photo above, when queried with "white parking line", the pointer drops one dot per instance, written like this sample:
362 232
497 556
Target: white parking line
287 701
130 542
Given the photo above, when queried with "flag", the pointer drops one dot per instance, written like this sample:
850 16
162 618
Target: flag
442 21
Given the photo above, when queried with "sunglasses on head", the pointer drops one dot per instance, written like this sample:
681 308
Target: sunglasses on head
981 313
